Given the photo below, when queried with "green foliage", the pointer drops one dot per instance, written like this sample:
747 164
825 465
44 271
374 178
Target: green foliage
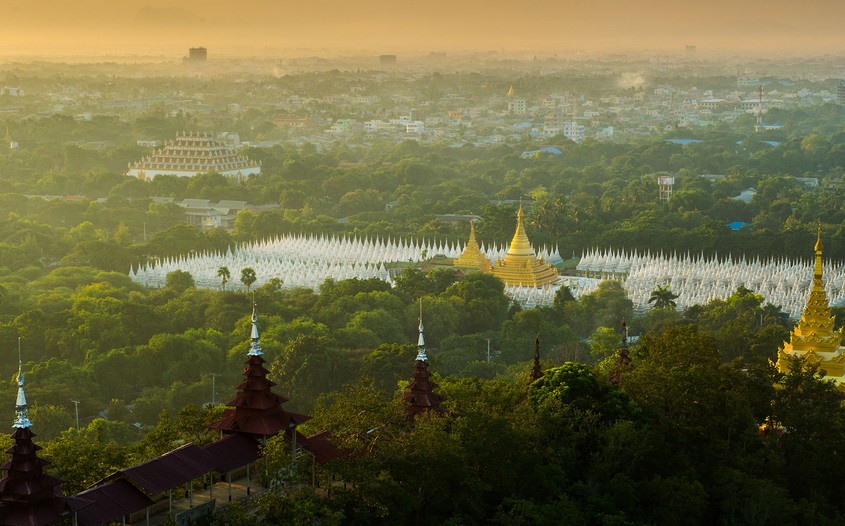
677 438
179 280
83 457
248 277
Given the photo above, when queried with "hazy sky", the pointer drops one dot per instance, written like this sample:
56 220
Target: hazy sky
234 26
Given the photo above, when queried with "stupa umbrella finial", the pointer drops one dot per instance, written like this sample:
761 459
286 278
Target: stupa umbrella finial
21 411
255 344
421 355
537 370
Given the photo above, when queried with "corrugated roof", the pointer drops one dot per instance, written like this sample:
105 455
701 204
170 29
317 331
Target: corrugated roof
232 452
111 502
230 204
195 203
319 445
171 469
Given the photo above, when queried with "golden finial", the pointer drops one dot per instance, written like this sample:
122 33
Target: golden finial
819 247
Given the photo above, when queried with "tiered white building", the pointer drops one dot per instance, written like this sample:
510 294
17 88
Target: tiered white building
191 154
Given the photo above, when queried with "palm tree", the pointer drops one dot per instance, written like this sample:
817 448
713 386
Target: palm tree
224 275
248 277
663 298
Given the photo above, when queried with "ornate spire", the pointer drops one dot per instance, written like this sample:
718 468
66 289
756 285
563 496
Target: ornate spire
472 256
28 495
624 336
814 337
819 250
255 345
520 265
421 355
537 370
21 412
520 245
816 324
623 359
256 409
420 395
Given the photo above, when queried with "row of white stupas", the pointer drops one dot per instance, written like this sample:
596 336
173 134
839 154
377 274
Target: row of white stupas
308 260
698 279
303 261
530 297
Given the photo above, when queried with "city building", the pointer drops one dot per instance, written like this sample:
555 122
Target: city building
197 54
191 154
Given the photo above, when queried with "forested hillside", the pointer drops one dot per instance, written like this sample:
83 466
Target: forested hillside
677 435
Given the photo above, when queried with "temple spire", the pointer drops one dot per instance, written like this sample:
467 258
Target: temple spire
420 396
255 345
256 410
623 358
819 250
421 355
520 266
21 411
472 257
537 370
816 337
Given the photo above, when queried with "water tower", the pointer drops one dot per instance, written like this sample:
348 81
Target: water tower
665 184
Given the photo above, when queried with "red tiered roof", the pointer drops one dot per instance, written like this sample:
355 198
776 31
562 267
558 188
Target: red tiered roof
28 496
256 410
420 396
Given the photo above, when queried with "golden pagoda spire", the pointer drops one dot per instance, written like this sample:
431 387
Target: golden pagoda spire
814 338
818 249
520 265
520 245
472 256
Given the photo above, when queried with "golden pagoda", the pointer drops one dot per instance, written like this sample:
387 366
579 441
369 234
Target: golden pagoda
520 265
814 338
472 257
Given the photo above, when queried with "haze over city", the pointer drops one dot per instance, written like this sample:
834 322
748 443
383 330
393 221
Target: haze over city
98 27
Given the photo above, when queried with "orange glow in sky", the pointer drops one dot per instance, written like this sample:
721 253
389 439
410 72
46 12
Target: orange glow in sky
156 26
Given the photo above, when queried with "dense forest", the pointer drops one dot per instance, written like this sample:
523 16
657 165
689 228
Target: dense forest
698 425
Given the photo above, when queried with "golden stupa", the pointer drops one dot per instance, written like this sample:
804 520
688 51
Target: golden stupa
472 257
814 338
520 265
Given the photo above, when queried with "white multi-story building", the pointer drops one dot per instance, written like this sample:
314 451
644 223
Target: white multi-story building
516 106
191 154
